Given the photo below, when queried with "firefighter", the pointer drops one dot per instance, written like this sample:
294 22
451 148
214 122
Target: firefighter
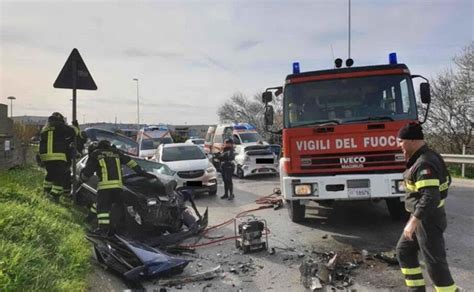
106 161
54 148
427 181
226 157
73 152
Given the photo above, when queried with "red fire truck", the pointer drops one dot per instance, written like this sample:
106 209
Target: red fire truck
339 134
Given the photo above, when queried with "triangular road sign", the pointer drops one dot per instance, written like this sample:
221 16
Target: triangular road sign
83 77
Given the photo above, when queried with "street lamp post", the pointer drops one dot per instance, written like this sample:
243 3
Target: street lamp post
138 106
11 98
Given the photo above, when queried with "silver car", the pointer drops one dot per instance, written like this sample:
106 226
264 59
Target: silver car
191 165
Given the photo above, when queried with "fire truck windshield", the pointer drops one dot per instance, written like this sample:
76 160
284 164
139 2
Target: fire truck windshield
350 100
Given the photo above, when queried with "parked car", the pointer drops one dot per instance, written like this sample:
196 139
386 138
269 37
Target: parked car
255 159
121 142
191 165
197 141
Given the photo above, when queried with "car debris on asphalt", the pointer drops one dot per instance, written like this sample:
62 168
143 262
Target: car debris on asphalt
207 275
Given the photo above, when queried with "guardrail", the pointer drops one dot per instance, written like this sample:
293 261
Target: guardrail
459 158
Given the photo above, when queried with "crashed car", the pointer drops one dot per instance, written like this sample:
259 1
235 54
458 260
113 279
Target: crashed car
121 142
150 207
255 160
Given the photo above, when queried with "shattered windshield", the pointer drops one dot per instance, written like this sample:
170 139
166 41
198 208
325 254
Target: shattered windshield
384 98
149 166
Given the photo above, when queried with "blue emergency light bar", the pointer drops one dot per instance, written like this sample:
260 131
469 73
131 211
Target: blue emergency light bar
392 58
243 126
296 67
156 128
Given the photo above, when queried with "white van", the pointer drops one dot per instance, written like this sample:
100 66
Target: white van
242 133
150 137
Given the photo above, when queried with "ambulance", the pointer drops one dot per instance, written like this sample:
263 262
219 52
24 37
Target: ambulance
150 137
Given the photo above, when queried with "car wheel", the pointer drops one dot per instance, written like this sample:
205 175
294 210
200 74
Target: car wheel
240 172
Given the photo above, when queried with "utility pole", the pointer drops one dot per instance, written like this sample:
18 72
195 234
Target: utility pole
349 46
11 98
138 105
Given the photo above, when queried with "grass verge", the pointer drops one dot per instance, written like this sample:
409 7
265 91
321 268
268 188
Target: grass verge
42 245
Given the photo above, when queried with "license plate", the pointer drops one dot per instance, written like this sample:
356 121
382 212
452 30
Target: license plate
359 192
193 184
264 160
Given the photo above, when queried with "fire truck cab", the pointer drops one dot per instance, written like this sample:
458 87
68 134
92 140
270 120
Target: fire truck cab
340 134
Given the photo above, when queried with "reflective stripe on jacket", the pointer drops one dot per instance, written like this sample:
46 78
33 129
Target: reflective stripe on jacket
427 181
55 138
107 164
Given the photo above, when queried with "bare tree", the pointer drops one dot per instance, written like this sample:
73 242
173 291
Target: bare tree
450 121
250 110
240 109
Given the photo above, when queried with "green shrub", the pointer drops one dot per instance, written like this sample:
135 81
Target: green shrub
455 170
42 245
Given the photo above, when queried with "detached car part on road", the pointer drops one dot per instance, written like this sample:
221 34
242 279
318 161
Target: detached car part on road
134 260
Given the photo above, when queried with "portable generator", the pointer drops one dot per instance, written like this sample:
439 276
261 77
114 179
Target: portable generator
249 232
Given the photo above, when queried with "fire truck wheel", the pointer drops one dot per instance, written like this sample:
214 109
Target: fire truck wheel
296 211
396 208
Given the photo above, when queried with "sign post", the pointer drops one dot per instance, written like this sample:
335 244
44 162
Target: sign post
74 75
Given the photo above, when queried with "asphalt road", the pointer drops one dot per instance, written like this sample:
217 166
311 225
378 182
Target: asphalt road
346 229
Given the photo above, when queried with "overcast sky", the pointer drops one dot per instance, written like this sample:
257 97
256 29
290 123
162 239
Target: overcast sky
191 56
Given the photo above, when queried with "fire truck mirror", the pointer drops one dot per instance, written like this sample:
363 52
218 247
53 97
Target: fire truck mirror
425 93
267 96
269 115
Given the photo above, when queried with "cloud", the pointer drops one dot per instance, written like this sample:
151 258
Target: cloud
246 45
190 57
136 52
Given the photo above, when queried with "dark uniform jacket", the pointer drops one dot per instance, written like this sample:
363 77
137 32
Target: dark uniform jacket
55 138
107 164
427 180
227 158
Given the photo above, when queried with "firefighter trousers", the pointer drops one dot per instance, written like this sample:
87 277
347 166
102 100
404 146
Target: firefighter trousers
67 182
227 173
428 239
55 176
105 199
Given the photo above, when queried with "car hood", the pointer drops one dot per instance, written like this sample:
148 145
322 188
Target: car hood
185 165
